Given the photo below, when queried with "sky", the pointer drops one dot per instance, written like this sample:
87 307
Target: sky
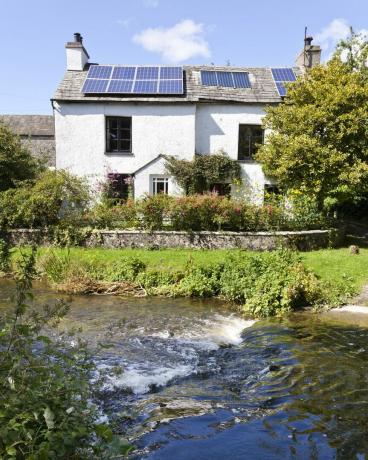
33 34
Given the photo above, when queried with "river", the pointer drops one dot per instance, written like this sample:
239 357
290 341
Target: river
201 382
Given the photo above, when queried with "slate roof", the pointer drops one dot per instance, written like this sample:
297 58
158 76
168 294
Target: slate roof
263 88
30 125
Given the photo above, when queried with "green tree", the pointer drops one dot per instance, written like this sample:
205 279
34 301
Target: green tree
319 138
200 174
16 163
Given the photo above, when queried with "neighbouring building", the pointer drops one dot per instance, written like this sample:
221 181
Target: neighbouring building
123 119
37 133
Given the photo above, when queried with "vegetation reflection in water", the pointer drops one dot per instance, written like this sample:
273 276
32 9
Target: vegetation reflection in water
292 388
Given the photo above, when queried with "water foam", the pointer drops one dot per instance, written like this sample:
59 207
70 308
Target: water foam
140 381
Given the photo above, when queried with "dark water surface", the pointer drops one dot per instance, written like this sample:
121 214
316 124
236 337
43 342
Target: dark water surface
200 382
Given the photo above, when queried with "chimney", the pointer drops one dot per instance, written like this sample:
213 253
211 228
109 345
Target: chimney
76 55
310 56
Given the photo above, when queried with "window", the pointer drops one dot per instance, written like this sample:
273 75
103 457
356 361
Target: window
221 189
160 185
118 134
119 186
271 193
250 136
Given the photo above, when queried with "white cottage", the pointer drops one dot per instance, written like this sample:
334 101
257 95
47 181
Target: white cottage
124 119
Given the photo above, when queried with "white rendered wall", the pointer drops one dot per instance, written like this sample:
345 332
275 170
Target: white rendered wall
217 128
167 129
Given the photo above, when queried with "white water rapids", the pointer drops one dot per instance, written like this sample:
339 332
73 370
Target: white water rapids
181 356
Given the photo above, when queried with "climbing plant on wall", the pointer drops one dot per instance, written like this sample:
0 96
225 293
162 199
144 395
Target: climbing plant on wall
203 172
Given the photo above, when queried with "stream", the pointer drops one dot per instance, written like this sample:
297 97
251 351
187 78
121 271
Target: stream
201 382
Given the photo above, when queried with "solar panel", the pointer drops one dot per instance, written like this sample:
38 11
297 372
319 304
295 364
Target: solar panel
134 79
170 87
209 78
120 86
241 80
281 88
94 85
123 73
171 73
282 76
147 73
99 71
225 79
145 86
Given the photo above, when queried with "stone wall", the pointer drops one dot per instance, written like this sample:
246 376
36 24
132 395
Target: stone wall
257 241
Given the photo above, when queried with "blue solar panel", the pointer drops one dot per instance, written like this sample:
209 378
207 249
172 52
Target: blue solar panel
225 79
283 74
170 87
145 86
209 78
94 85
123 73
241 80
134 79
281 88
120 86
99 71
171 73
147 73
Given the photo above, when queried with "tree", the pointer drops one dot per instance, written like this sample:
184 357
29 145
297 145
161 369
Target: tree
319 139
16 163
200 174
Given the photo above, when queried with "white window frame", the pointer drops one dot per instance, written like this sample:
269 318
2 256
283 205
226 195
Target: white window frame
159 179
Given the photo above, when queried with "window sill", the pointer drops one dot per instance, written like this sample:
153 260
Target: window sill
119 154
247 160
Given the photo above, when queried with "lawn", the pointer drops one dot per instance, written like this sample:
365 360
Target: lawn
330 264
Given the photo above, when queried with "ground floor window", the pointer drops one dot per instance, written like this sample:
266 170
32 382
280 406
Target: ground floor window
270 192
221 189
119 186
160 184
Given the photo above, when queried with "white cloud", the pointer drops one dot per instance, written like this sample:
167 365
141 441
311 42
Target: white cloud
175 44
329 37
151 3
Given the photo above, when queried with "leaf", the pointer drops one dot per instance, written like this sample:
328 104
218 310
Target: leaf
49 418
11 383
104 432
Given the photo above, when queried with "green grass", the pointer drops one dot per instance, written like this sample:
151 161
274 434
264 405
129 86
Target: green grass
332 265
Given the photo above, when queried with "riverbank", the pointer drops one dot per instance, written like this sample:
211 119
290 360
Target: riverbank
330 265
264 284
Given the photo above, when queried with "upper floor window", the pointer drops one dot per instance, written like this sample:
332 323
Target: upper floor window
250 136
118 134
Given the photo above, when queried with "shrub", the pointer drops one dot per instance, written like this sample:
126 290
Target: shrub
125 269
283 284
16 162
4 255
199 282
57 196
154 210
123 215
